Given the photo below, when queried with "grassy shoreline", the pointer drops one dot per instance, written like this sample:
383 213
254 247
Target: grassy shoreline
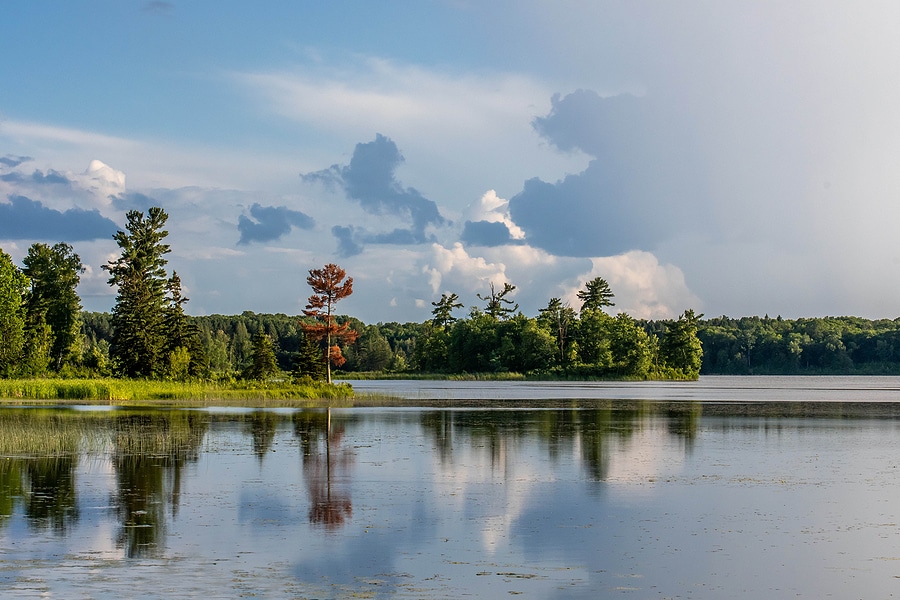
141 392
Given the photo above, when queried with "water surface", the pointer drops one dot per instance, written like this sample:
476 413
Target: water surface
636 498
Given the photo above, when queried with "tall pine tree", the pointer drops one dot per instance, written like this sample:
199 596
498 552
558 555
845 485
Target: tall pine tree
138 318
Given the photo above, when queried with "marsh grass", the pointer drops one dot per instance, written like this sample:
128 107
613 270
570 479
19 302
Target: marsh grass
139 392
37 435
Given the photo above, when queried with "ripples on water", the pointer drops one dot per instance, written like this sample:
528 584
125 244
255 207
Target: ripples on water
653 496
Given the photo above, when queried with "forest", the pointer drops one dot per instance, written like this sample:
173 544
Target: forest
148 334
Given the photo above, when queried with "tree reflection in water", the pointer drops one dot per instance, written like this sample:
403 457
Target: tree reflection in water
50 496
149 453
326 468
561 431
261 425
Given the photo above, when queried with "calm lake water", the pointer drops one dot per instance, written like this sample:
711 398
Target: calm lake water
727 487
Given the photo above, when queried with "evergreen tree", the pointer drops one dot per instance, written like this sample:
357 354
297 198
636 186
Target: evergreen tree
183 335
443 310
596 294
308 360
498 305
138 318
262 361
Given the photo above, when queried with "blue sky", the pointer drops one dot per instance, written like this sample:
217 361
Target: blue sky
735 158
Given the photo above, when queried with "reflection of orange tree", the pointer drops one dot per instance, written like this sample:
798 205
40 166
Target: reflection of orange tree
326 469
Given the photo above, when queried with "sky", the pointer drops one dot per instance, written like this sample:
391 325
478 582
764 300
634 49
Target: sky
735 158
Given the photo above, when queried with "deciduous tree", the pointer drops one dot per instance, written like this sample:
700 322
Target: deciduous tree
13 286
557 317
681 349
53 301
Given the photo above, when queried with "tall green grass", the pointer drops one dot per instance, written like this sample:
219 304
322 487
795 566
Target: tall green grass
137 391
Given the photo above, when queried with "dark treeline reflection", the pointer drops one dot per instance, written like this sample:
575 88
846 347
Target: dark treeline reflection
148 452
45 487
560 431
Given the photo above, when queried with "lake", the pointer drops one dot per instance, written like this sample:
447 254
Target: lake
726 487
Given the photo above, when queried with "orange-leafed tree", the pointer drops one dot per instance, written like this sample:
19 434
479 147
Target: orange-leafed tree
329 284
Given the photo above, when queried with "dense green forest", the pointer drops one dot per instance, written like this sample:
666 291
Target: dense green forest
148 334
749 345
826 345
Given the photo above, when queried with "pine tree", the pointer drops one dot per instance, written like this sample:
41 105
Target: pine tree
183 335
138 318
262 362
596 294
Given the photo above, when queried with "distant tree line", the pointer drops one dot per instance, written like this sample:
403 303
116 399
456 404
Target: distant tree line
744 346
148 334
824 345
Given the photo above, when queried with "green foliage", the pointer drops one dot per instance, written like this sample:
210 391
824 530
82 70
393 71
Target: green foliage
37 348
596 295
179 364
13 286
54 273
432 350
262 361
559 318
139 337
443 310
182 335
824 345
308 361
593 335
681 350
370 352
630 346
137 391
498 305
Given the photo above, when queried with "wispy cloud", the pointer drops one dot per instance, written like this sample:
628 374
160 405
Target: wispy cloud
68 135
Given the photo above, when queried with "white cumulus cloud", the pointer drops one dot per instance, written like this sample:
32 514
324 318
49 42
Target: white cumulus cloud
643 288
